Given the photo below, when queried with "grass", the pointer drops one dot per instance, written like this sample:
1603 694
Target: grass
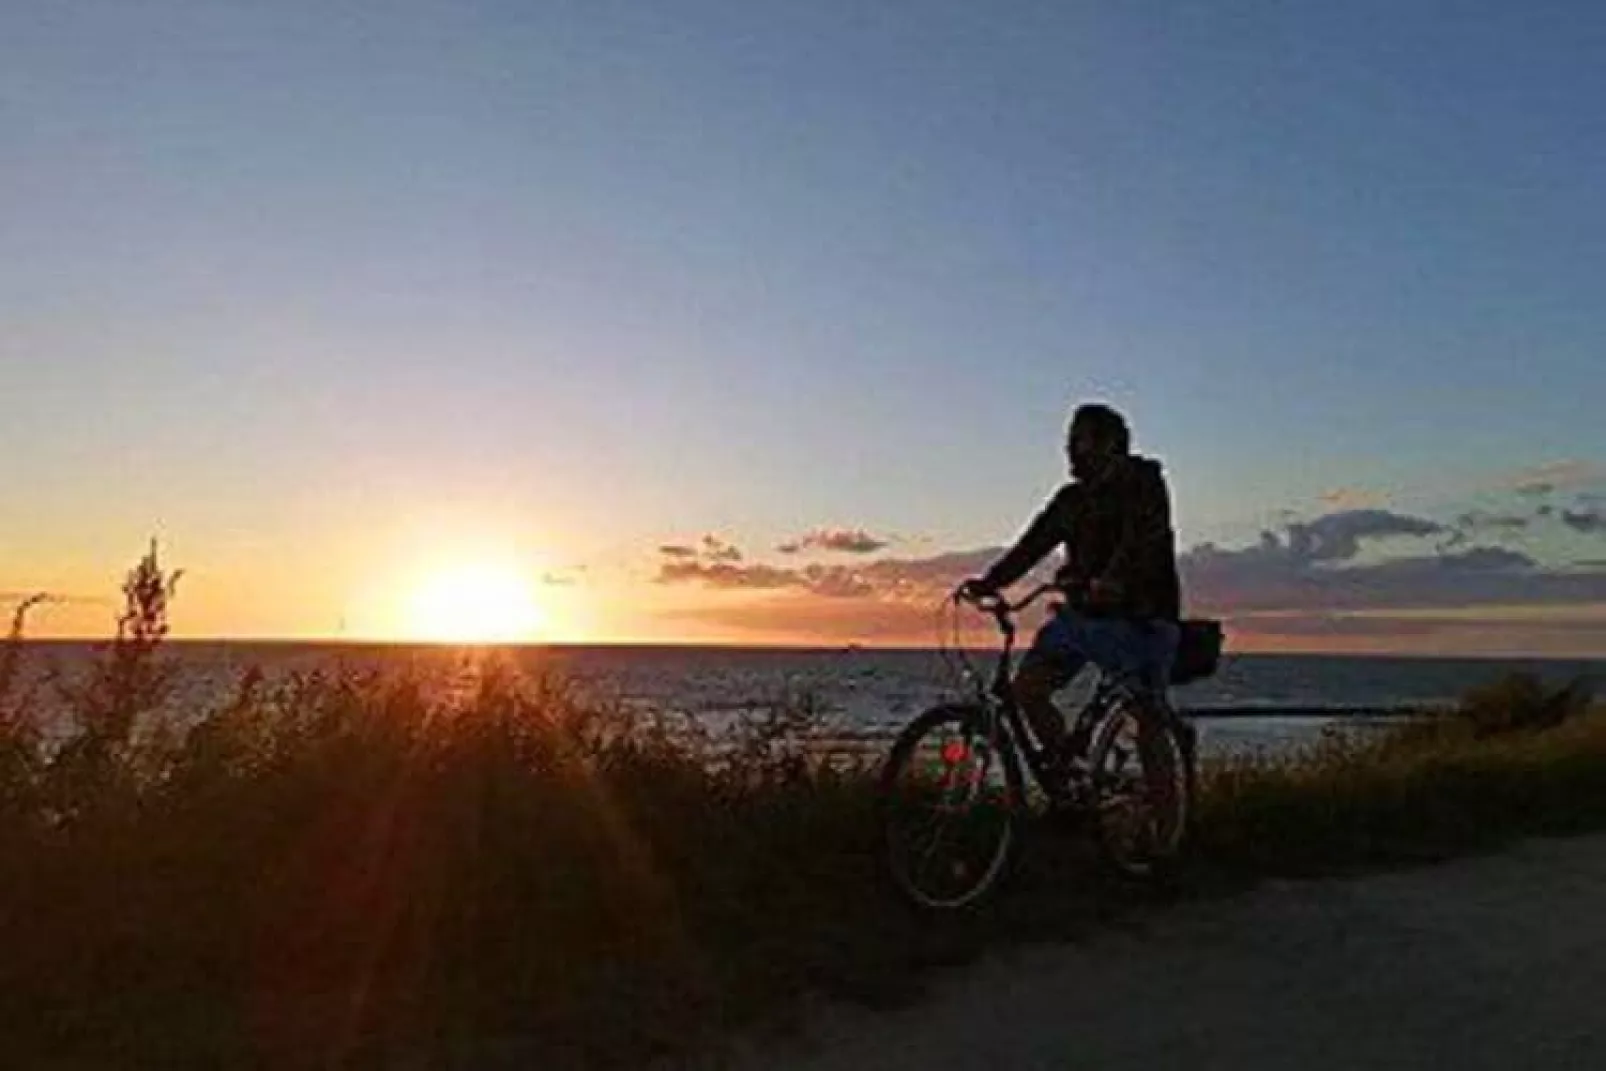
1515 759
337 870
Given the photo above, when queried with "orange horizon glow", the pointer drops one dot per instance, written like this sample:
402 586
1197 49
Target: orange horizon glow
502 599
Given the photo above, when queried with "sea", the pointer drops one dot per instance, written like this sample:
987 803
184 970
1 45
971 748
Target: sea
1257 704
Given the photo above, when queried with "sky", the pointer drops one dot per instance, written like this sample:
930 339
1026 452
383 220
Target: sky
760 322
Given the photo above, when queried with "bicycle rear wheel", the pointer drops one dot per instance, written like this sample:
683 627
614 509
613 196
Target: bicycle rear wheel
950 799
1143 785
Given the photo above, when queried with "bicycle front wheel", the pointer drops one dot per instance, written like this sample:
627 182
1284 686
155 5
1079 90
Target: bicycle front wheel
950 799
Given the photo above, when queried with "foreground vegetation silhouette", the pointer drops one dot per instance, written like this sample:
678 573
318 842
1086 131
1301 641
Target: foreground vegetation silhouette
339 868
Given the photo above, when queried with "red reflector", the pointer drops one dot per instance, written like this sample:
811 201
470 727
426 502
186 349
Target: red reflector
954 752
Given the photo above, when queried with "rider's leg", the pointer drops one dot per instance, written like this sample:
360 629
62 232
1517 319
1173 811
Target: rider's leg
1114 645
1056 656
1041 674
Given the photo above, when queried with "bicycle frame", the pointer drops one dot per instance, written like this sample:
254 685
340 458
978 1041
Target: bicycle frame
998 698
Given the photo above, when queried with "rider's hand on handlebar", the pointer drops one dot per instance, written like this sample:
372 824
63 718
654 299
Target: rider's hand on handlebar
975 590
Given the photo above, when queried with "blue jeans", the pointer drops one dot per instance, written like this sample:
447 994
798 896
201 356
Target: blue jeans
1140 650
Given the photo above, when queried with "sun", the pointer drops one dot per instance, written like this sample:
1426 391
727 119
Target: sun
478 603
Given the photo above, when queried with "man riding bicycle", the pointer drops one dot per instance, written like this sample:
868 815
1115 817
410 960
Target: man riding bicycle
1113 521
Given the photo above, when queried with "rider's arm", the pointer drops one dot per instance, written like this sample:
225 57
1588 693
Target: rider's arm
1046 532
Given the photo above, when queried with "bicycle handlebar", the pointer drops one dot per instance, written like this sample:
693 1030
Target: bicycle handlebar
1002 609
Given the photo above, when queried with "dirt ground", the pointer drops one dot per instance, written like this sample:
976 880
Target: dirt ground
1496 962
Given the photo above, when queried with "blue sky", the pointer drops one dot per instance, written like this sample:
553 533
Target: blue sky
588 277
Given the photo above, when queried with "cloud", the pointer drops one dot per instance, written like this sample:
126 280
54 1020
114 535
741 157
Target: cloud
1545 478
711 549
1315 579
1266 578
837 582
1335 537
1338 536
896 579
839 540
1306 565
932 576
1476 523
1348 498
716 549
715 563
1589 518
1590 521
1315 566
727 575
1480 521
923 580
1280 567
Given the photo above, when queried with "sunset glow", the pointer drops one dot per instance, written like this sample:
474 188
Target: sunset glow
477 603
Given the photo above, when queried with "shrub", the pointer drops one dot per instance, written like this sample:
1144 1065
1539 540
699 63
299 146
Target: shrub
1520 702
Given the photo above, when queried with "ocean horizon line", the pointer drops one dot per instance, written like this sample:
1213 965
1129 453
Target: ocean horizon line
754 648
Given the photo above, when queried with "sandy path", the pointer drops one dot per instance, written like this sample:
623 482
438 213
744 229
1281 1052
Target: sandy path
1496 963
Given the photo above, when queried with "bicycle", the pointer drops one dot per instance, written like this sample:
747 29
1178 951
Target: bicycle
963 761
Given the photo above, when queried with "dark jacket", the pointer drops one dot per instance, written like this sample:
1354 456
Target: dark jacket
1117 531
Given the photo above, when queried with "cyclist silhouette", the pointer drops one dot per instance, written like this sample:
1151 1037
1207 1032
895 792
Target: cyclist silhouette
1119 574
